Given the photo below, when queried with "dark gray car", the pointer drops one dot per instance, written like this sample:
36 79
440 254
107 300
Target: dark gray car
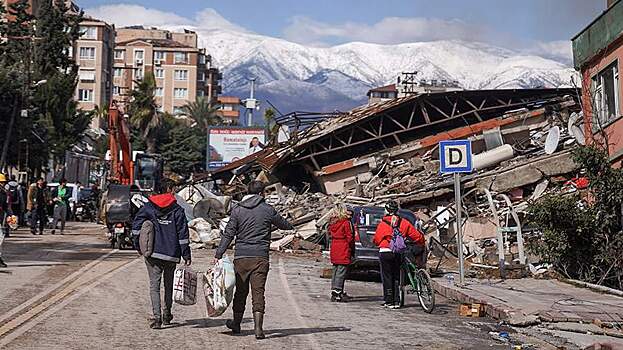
365 221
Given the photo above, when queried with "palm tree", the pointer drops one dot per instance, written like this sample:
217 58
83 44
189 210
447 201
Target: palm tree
143 110
202 112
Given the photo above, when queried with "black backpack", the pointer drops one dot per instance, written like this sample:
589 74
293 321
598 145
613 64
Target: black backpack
14 194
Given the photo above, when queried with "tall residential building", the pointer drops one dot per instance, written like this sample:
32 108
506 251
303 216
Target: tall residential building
94 56
183 72
229 109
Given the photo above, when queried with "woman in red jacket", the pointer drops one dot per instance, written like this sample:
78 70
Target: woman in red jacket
391 262
342 250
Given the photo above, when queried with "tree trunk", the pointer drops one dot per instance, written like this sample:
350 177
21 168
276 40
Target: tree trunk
150 142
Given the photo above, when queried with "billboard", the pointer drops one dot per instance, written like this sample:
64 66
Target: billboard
228 144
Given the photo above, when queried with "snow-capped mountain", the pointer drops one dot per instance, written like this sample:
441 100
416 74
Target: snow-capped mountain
297 77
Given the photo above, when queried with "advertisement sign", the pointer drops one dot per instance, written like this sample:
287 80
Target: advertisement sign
228 144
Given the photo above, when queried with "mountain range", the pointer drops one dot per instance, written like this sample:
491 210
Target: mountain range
295 77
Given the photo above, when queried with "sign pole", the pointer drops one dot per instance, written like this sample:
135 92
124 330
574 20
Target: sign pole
459 233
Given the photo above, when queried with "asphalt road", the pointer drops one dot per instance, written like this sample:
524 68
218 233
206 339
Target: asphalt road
74 292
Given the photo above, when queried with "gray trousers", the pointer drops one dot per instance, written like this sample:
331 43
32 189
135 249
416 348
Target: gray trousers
339 276
2 230
60 213
156 268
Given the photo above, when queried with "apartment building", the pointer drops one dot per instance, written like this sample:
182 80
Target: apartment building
598 56
183 72
229 109
93 53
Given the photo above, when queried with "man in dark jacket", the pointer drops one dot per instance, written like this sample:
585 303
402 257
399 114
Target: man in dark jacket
38 200
250 223
171 241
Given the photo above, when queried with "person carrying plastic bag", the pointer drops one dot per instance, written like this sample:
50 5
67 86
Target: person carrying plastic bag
218 286
170 243
250 223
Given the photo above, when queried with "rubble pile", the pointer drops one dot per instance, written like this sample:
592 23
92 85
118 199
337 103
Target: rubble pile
307 212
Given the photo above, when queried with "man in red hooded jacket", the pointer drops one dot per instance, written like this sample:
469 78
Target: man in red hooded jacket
390 261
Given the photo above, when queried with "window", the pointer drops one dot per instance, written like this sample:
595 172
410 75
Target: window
159 91
87 53
181 57
139 55
86 75
119 54
201 93
88 32
606 98
202 59
202 76
85 95
116 90
180 93
181 74
159 56
138 74
178 110
118 72
159 73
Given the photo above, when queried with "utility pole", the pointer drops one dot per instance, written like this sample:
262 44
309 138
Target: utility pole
251 103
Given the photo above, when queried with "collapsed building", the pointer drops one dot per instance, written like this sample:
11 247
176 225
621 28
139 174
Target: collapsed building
521 140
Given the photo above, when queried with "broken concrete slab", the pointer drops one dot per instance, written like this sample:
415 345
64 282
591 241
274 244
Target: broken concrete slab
530 173
282 243
521 300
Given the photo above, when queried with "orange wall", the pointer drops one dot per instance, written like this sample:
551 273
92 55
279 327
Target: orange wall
614 130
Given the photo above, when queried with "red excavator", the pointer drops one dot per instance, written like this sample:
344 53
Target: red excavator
132 177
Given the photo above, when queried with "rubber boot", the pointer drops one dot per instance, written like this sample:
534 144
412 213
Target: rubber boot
234 324
258 319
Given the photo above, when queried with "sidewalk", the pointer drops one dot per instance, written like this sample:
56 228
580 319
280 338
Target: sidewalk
530 301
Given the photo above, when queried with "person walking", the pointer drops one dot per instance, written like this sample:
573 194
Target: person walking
390 261
250 224
38 200
14 191
171 242
60 198
342 250
5 211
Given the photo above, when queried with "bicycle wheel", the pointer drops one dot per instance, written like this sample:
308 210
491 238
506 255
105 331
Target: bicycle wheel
426 293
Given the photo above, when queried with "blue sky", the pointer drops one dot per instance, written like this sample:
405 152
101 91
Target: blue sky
524 23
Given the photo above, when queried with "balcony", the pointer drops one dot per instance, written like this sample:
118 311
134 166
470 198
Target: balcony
601 33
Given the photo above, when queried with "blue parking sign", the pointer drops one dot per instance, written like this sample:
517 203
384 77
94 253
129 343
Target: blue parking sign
455 156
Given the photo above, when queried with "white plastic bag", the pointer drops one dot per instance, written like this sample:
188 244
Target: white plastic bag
218 286
185 286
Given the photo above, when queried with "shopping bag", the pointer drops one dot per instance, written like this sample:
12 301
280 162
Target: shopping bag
218 286
185 286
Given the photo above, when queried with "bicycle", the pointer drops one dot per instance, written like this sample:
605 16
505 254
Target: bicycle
419 282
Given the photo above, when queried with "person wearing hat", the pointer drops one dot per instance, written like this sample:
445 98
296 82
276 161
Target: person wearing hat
5 211
390 261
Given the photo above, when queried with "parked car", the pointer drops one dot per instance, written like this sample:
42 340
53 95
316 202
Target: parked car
365 220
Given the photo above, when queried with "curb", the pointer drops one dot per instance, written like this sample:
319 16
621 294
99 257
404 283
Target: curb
498 312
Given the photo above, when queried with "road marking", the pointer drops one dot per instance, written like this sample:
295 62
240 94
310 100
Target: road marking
76 282
295 306
28 303
35 320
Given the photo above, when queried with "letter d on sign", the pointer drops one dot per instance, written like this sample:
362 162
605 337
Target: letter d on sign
456 156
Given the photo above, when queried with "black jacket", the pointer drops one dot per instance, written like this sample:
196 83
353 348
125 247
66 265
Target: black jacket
250 223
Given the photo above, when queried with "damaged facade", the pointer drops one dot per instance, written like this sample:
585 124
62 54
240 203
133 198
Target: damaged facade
521 140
